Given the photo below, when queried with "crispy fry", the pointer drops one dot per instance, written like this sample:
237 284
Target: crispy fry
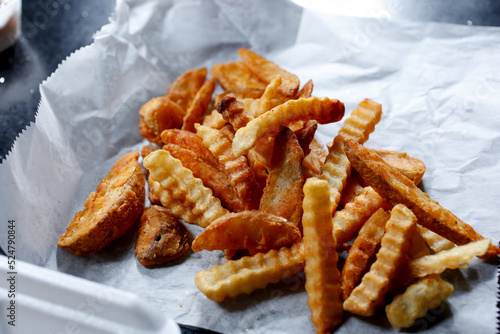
213 176
254 230
180 191
240 175
283 192
350 219
425 294
199 105
306 90
410 167
191 141
183 90
161 237
358 126
436 242
364 247
233 111
236 75
271 98
145 150
159 114
109 211
241 93
214 120
250 273
324 294
305 135
448 259
314 160
396 188
323 110
368 295
267 71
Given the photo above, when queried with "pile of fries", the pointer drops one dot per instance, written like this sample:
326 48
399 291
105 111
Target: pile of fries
245 166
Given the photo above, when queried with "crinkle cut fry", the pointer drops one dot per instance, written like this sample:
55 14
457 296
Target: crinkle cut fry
172 181
348 221
396 188
364 246
324 110
358 126
324 294
370 293
249 273
427 293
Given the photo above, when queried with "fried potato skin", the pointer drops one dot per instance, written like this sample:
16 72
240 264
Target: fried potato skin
161 237
159 114
395 188
110 211
251 229
199 105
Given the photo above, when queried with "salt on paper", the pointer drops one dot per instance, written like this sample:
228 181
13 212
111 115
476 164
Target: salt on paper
438 85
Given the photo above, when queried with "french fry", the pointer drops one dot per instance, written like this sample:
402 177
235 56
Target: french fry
184 88
306 90
348 221
267 71
324 110
358 126
324 294
314 160
370 293
254 230
448 259
191 141
199 105
305 135
425 294
396 188
364 247
436 242
240 174
214 120
179 191
241 93
233 111
410 167
283 193
271 98
236 75
249 273
212 176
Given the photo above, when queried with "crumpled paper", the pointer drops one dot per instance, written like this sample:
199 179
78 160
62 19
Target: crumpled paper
438 83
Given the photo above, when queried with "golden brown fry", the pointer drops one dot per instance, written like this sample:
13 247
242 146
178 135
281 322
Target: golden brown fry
358 126
427 293
314 160
159 114
233 111
436 242
241 93
364 247
183 90
267 71
410 167
191 141
250 273
236 75
240 175
254 230
305 135
161 237
213 176
396 188
214 120
199 105
324 294
109 211
448 259
323 110
180 191
370 294
306 90
271 98
283 192
350 219
145 150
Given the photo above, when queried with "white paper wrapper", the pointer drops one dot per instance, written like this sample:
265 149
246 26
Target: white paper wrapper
439 86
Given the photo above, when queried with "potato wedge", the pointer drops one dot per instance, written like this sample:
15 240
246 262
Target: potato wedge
159 114
236 75
110 211
161 237
199 105
253 230
184 89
